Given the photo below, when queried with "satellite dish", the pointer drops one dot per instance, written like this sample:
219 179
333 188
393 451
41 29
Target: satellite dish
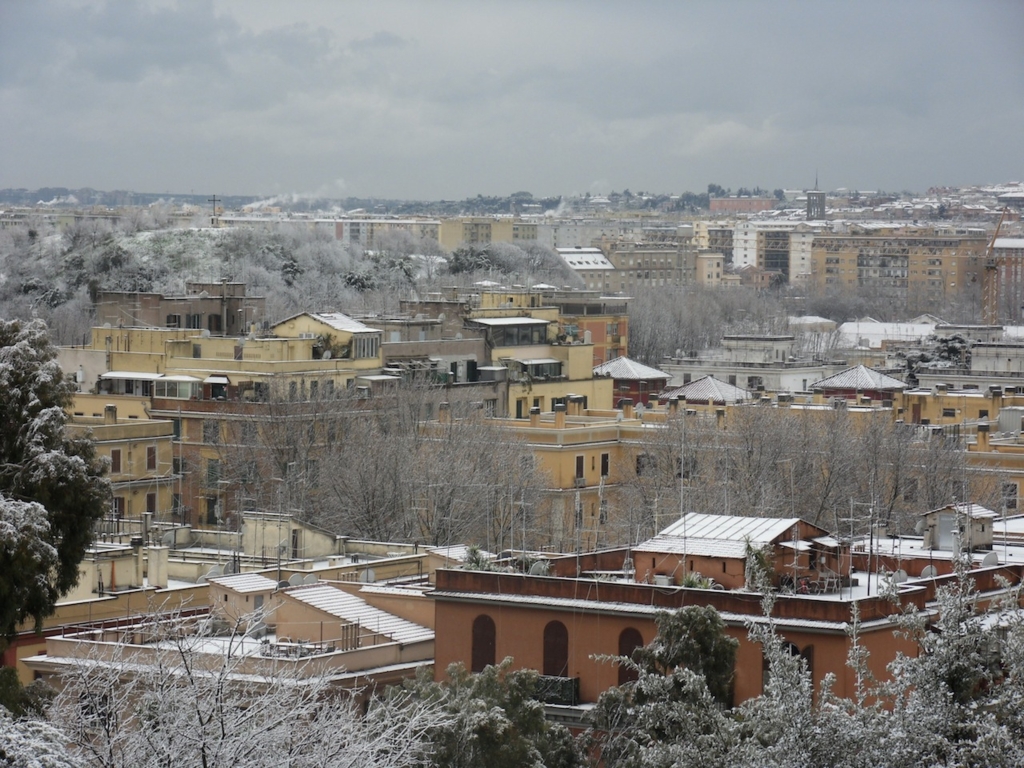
311 579
201 580
899 577
295 579
230 569
929 572
283 585
540 568
367 576
167 540
326 355
441 317
458 336
215 571
990 560
919 526
205 333
106 325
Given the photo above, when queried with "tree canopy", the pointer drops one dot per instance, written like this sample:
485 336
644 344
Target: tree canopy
51 485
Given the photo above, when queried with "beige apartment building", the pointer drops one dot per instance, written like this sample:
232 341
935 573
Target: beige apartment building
480 230
925 262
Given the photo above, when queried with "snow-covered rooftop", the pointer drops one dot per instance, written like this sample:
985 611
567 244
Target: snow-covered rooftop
354 610
708 388
625 368
859 377
342 322
717 535
245 582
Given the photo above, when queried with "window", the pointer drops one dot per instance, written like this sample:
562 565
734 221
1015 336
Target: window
949 413
556 649
629 640
197 351
178 466
605 464
115 460
1010 495
151 503
483 643
173 321
117 508
151 457
579 467
176 504
211 431
645 464
212 471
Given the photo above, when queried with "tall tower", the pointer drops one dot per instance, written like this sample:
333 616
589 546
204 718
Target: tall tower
815 205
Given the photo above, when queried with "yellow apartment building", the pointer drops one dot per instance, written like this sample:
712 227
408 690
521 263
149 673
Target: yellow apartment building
140 452
923 262
480 230
214 391
585 316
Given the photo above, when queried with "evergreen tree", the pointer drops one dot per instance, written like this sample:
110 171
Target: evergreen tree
51 485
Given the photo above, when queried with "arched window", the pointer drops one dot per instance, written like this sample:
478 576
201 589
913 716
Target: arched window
556 649
807 654
629 640
483 642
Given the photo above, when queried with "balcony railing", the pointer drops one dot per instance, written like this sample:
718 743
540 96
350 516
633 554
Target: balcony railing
558 690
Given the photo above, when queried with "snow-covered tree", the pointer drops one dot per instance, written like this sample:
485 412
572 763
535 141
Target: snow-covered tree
494 720
193 703
51 485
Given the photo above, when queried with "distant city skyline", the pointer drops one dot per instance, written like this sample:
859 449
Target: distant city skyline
447 100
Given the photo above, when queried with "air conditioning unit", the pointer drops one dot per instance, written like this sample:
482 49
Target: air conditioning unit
580 482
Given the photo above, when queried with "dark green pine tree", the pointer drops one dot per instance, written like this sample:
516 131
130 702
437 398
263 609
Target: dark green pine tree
52 488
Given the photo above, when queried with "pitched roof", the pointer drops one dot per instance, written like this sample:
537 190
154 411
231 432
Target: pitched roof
354 610
858 377
245 582
717 535
708 388
341 322
624 368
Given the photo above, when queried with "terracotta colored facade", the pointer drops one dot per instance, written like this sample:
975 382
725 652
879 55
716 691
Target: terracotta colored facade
597 618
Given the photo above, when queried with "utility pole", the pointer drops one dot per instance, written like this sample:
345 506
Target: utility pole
213 218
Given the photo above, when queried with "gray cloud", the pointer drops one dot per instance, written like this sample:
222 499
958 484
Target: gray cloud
449 99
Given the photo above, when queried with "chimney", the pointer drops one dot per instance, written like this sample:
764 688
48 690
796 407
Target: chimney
444 413
673 404
560 416
626 404
138 551
997 398
576 404
535 416
983 444
110 414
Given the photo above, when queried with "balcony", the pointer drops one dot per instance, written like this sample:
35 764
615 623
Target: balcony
558 690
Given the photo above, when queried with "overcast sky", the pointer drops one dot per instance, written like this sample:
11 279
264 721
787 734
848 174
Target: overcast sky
429 100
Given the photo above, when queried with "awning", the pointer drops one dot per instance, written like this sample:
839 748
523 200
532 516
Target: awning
540 361
216 379
133 375
179 377
826 541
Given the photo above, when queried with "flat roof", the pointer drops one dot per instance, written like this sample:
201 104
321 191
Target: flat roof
496 322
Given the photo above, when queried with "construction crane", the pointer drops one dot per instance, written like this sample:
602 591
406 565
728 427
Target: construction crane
990 279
